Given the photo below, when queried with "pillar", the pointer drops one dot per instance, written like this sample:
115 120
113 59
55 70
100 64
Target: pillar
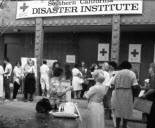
39 38
115 44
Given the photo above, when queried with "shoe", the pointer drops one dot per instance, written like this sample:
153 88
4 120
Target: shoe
6 100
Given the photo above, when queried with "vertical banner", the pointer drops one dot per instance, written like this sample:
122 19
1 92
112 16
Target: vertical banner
134 53
103 52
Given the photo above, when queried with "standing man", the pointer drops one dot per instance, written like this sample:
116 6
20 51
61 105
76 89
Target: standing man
7 78
84 72
44 78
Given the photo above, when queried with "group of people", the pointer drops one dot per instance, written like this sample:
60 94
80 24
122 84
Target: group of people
17 75
118 93
107 85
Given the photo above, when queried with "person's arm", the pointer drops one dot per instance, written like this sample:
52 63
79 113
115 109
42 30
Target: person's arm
148 93
89 93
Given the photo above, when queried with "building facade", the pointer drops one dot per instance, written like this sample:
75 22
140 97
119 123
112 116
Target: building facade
79 36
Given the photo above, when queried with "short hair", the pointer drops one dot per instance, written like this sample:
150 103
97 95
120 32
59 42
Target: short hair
125 65
6 59
76 65
57 72
113 64
98 75
44 62
18 62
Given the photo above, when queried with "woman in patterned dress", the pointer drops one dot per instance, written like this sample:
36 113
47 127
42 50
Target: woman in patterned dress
95 97
122 96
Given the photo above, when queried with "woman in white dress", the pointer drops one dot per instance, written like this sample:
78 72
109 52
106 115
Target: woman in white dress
1 83
77 81
95 97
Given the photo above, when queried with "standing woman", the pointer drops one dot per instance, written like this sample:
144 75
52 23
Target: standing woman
95 96
77 81
29 86
150 95
1 84
17 77
122 96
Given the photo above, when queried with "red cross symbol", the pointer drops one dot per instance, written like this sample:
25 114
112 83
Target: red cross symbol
134 53
24 7
103 52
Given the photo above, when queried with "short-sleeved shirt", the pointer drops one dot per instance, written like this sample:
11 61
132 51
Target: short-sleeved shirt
125 79
44 70
8 70
107 78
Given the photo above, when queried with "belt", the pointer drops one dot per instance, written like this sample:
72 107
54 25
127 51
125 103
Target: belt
95 102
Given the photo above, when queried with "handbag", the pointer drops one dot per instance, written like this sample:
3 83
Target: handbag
142 105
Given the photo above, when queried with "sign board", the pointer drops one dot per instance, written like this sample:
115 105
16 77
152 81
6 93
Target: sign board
30 9
103 52
70 59
135 53
50 63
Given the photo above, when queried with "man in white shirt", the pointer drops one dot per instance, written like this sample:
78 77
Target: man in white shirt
7 78
44 78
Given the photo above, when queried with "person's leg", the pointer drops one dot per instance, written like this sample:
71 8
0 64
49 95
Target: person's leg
79 94
114 118
42 82
31 97
25 95
75 94
124 123
7 89
15 89
118 121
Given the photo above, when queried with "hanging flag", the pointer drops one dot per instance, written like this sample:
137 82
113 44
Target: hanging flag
134 53
103 52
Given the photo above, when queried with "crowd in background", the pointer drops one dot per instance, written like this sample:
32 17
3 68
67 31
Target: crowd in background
105 85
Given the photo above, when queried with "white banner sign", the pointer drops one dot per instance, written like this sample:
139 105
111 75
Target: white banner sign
29 9
70 59
135 53
103 52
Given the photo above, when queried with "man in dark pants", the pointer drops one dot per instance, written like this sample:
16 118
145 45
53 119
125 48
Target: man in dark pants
7 78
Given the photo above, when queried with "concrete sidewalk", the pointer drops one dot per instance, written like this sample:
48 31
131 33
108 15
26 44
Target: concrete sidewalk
22 115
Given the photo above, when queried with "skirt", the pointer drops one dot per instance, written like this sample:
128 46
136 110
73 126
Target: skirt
95 115
30 82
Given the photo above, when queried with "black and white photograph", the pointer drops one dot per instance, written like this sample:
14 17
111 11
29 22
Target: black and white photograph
77 63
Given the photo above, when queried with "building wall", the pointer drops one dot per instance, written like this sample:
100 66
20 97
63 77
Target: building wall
19 45
147 52
83 45
1 49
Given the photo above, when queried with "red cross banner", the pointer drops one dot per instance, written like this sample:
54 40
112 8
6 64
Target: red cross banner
103 52
134 53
